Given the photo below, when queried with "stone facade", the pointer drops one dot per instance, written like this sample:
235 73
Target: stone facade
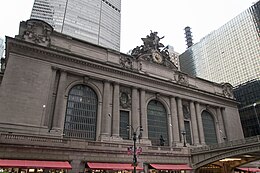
41 68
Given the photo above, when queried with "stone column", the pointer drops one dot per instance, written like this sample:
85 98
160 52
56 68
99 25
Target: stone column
135 112
200 125
221 125
174 123
181 119
143 115
60 105
99 120
194 123
115 116
218 132
51 100
106 115
169 124
225 120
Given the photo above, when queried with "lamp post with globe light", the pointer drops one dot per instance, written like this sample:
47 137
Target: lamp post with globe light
135 136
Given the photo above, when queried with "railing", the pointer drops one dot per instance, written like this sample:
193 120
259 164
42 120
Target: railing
29 139
235 143
10 136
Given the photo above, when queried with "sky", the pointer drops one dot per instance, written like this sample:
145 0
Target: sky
138 17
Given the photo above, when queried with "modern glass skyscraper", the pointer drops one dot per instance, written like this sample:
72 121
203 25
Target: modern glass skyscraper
232 54
228 54
95 21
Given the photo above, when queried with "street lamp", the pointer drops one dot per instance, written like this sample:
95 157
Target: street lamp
258 131
183 134
134 139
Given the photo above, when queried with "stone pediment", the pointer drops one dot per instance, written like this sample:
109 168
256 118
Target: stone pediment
153 51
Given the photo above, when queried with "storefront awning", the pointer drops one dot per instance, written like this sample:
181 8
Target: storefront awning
250 169
35 164
112 166
170 167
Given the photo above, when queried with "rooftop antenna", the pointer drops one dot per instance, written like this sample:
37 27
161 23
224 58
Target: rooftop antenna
188 36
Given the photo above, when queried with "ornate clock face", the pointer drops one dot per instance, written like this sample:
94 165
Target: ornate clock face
157 57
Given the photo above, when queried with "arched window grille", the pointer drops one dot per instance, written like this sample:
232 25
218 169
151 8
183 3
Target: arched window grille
186 115
157 123
81 113
209 128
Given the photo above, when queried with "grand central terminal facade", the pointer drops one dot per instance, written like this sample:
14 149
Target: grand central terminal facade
78 105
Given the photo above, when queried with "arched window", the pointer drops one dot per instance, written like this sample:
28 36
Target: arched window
157 123
209 128
81 113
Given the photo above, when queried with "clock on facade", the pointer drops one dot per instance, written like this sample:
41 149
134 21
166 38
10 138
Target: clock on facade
157 57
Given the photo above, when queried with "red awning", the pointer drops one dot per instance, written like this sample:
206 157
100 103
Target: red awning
112 166
35 164
250 169
171 167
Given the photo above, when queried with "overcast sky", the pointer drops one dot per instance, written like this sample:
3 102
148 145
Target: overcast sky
167 17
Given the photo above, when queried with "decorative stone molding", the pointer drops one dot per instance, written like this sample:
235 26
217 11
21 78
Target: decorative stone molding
228 90
86 79
36 31
126 62
182 79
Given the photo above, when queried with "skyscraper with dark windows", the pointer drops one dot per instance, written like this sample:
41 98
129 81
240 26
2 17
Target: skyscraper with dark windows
231 54
95 21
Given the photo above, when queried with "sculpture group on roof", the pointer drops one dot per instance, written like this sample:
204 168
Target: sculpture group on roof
151 42
151 49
